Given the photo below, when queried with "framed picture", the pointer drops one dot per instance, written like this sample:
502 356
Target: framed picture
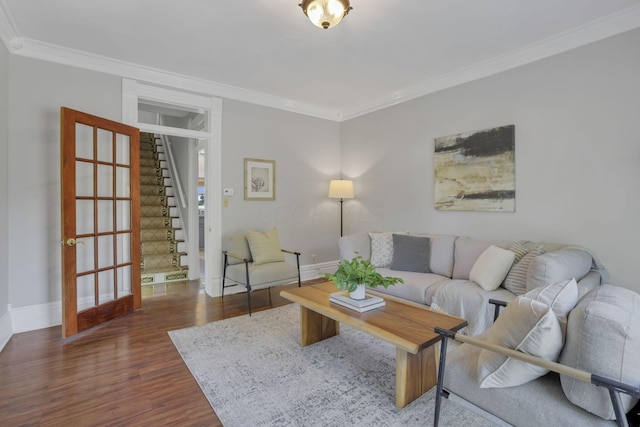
475 171
259 179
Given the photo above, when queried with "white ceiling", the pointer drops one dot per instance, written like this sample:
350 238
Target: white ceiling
383 52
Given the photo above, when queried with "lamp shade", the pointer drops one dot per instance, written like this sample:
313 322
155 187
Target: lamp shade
341 189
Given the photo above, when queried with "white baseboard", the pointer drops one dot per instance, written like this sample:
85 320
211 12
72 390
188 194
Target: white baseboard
6 329
41 316
37 316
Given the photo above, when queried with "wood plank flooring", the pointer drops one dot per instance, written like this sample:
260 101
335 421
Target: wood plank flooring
124 373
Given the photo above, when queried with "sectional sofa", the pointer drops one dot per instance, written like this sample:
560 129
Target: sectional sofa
561 311
445 284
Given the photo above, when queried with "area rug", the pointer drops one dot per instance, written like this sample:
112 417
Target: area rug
254 373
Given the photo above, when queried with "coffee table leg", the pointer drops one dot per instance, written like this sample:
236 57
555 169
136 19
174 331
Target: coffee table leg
316 327
415 374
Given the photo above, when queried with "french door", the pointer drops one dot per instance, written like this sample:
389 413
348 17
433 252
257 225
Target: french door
100 180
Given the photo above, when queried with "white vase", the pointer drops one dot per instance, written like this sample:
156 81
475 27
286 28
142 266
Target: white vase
358 293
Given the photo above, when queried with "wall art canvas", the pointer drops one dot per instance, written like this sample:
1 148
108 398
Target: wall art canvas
259 179
475 171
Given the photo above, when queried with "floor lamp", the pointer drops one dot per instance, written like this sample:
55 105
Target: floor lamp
341 189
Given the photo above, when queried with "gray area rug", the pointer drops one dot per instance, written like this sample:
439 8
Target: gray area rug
254 373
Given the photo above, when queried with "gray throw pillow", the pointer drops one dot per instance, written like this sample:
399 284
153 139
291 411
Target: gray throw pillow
410 253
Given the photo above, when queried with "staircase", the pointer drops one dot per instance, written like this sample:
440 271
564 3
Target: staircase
163 247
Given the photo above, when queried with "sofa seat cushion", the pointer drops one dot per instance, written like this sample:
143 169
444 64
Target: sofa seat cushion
263 275
536 403
466 299
415 287
603 337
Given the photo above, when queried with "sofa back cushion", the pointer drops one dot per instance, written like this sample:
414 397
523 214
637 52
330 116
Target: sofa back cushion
468 250
440 253
603 338
355 244
238 245
552 267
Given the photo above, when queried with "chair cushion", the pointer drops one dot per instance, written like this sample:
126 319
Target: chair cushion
603 337
238 245
491 267
525 325
534 404
265 247
263 275
410 253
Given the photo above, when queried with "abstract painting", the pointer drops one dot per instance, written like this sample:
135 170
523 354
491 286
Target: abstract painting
259 179
475 171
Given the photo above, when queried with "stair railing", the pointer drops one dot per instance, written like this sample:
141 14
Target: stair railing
173 170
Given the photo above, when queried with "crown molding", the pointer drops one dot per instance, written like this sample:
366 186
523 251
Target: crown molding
75 58
594 31
8 33
608 26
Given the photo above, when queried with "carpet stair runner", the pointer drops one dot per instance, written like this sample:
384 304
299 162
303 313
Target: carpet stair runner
163 247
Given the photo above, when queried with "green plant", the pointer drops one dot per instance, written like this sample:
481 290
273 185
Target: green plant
351 273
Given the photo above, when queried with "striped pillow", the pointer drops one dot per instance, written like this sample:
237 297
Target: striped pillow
520 248
516 280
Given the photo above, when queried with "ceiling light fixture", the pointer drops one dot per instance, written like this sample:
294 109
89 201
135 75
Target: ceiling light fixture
325 13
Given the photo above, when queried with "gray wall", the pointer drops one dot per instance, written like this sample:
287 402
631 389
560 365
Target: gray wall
307 151
577 155
307 155
38 90
4 205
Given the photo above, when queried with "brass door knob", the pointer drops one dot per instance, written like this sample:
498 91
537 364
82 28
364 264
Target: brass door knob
73 242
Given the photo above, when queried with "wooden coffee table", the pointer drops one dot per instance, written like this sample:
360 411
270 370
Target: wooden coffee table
406 325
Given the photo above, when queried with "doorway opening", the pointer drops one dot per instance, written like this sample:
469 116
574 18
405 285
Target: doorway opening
188 124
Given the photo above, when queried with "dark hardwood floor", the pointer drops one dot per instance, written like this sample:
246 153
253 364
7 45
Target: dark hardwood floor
124 373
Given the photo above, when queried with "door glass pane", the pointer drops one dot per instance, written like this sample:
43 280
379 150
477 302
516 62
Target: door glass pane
122 149
84 179
124 248
105 251
85 292
122 182
105 284
123 214
105 216
84 255
124 281
84 217
105 181
84 141
105 146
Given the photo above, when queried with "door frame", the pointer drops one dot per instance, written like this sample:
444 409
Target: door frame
132 92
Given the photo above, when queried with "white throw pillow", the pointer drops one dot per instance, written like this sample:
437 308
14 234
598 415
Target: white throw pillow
525 325
561 296
492 267
382 248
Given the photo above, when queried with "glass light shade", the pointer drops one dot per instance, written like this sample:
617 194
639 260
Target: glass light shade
341 189
325 13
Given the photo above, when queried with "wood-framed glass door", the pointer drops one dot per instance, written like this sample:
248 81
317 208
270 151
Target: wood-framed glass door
100 180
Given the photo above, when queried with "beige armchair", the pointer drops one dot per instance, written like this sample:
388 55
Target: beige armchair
256 260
